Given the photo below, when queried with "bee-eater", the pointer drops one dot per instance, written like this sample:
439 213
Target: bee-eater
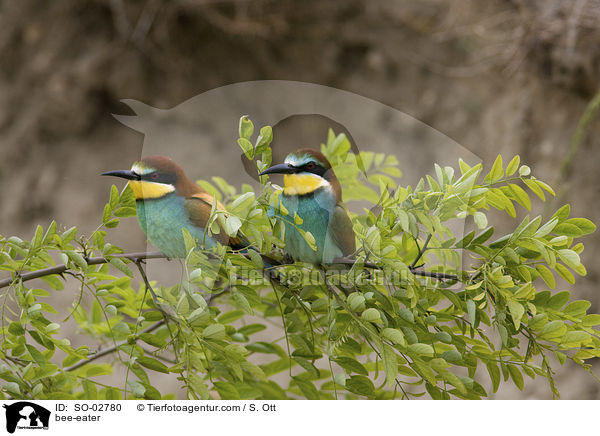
313 192
167 201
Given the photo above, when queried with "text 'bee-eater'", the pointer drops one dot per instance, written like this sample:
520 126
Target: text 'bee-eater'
313 192
167 201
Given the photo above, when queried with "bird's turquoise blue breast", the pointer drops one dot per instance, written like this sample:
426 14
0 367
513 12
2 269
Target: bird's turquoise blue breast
315 209
162 219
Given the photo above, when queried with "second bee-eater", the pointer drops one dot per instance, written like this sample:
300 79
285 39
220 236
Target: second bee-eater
313 193
167 201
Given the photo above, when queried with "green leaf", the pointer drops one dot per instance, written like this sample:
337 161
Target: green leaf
371 315
227 391
264 138
516 376
535 188
443 337
558 300
464 242
351 365
360 385
546 228
467 180
246 147
151 393
464 167
307 365
395 336
516 312
404 220
547 275
241 203
96 369
307 388
421 349
565 273
310 240
152 364
111 309
124 212
127 197
251 329
584 225
214 331
591 320
574 338
36 355
494 372
356 301
569 257
37 237
390 364
69 235
545 187
480 220
471 310
114 197
188 239
520 195
232 225
424 371
246 127
563 213
231 316
496 172
15 328
513 165
538 321
197 385
153 340
454 380
121 266
554 329
106 214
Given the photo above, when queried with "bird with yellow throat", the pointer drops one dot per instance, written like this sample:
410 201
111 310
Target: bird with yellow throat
313 193
167 202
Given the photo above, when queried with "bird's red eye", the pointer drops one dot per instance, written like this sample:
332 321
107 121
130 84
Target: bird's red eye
154 176
310 165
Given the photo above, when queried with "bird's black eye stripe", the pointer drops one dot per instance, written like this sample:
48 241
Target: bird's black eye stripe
313 167
158 177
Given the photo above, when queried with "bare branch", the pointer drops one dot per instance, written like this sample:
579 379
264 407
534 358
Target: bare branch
59 269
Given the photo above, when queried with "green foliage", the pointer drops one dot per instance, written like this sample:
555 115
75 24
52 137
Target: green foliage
359 332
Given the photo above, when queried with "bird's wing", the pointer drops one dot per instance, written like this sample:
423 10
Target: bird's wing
341 230
198 208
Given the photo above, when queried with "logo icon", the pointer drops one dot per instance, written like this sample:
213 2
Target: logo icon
26 415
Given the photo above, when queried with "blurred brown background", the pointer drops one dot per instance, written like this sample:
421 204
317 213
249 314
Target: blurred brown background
511 76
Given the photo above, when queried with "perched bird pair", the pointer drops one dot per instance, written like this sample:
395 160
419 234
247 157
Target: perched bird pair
168 201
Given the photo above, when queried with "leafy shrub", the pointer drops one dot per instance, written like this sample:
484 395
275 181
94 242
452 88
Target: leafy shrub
380 328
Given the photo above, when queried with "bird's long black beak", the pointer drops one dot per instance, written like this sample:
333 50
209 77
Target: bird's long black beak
124 174
280 169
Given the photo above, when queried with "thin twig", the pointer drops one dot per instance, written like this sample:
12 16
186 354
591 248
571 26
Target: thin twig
113 348
421 251
136 257
415 270
138 263
59 269
434 275
158 356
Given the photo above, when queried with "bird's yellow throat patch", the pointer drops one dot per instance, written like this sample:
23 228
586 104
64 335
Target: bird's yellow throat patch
144 190
300 184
